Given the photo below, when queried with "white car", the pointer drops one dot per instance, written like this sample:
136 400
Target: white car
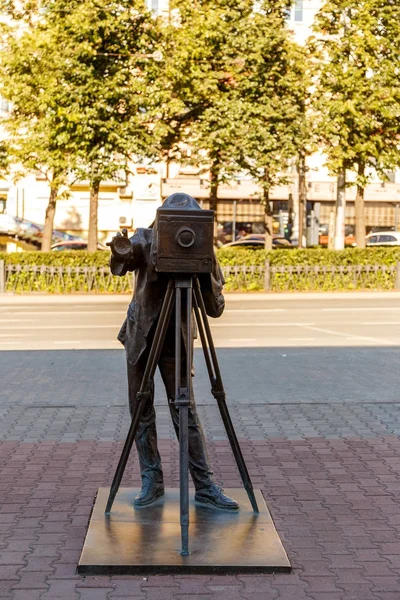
383 238
9 225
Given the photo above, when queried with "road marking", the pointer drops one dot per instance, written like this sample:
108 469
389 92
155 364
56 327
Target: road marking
359 309
68 342
347 336
14 334
257 324
64 312
17 343
301 339
72 326
382 323
19 320
242 340
255 310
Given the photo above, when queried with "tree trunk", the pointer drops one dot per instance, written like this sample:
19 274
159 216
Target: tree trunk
360 209
49 220
340 210
213 198
268 220
302 197
93 210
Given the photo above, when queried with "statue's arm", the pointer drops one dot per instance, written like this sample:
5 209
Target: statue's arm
211 288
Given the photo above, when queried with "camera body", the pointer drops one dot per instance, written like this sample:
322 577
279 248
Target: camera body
184 240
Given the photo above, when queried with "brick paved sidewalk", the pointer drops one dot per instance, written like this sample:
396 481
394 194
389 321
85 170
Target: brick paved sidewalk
329 471
335 504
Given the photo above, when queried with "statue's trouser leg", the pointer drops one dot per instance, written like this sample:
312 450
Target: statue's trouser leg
146 436
198 460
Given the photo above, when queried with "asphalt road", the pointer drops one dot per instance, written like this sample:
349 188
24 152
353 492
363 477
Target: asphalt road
296 351
45 323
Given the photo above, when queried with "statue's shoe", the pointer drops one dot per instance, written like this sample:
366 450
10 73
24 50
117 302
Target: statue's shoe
149 493
214 496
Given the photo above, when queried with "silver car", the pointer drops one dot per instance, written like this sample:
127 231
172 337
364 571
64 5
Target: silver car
9 225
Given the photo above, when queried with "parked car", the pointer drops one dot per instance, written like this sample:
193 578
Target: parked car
349 239
383 238
9 225
75 245
30 232
257 240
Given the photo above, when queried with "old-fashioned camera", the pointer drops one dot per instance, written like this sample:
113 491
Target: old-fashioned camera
184 240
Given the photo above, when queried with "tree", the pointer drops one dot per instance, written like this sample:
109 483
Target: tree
79 68
102 93
238 83
199 110
272 90
27 79
356 54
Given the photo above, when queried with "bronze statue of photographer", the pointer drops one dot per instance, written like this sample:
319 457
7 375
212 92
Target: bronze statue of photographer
139 254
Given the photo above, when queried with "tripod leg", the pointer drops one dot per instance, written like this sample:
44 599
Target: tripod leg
143 393
217 390
182 401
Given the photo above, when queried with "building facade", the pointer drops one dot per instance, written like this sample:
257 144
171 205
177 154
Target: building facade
134 204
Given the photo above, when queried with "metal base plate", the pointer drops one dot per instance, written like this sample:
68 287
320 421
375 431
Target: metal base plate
147 540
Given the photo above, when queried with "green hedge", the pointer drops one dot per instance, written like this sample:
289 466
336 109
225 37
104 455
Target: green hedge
226 256
241 280
310 256
74 258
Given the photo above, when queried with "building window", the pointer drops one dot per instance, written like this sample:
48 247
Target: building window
298 10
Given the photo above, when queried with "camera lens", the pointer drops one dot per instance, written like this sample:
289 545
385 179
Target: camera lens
185 237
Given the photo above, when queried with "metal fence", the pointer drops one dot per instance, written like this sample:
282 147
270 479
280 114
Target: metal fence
59 280
294 278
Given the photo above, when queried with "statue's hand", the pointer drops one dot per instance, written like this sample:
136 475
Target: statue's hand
120 245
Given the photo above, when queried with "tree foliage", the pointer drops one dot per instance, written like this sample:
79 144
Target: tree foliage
79 101
235 84
28 81
356 56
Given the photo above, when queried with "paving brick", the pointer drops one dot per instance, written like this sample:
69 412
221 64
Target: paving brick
384 584
195 586
32 581
95 582
256 585
42 550
12 558
321 584
328 596
358 592
319 568
93 593
9 572
39 564
61 589
12 545
127 587
5 588
141 597
158 581
27 595
289 592
161 593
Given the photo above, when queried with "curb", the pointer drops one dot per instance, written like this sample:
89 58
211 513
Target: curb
9 298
